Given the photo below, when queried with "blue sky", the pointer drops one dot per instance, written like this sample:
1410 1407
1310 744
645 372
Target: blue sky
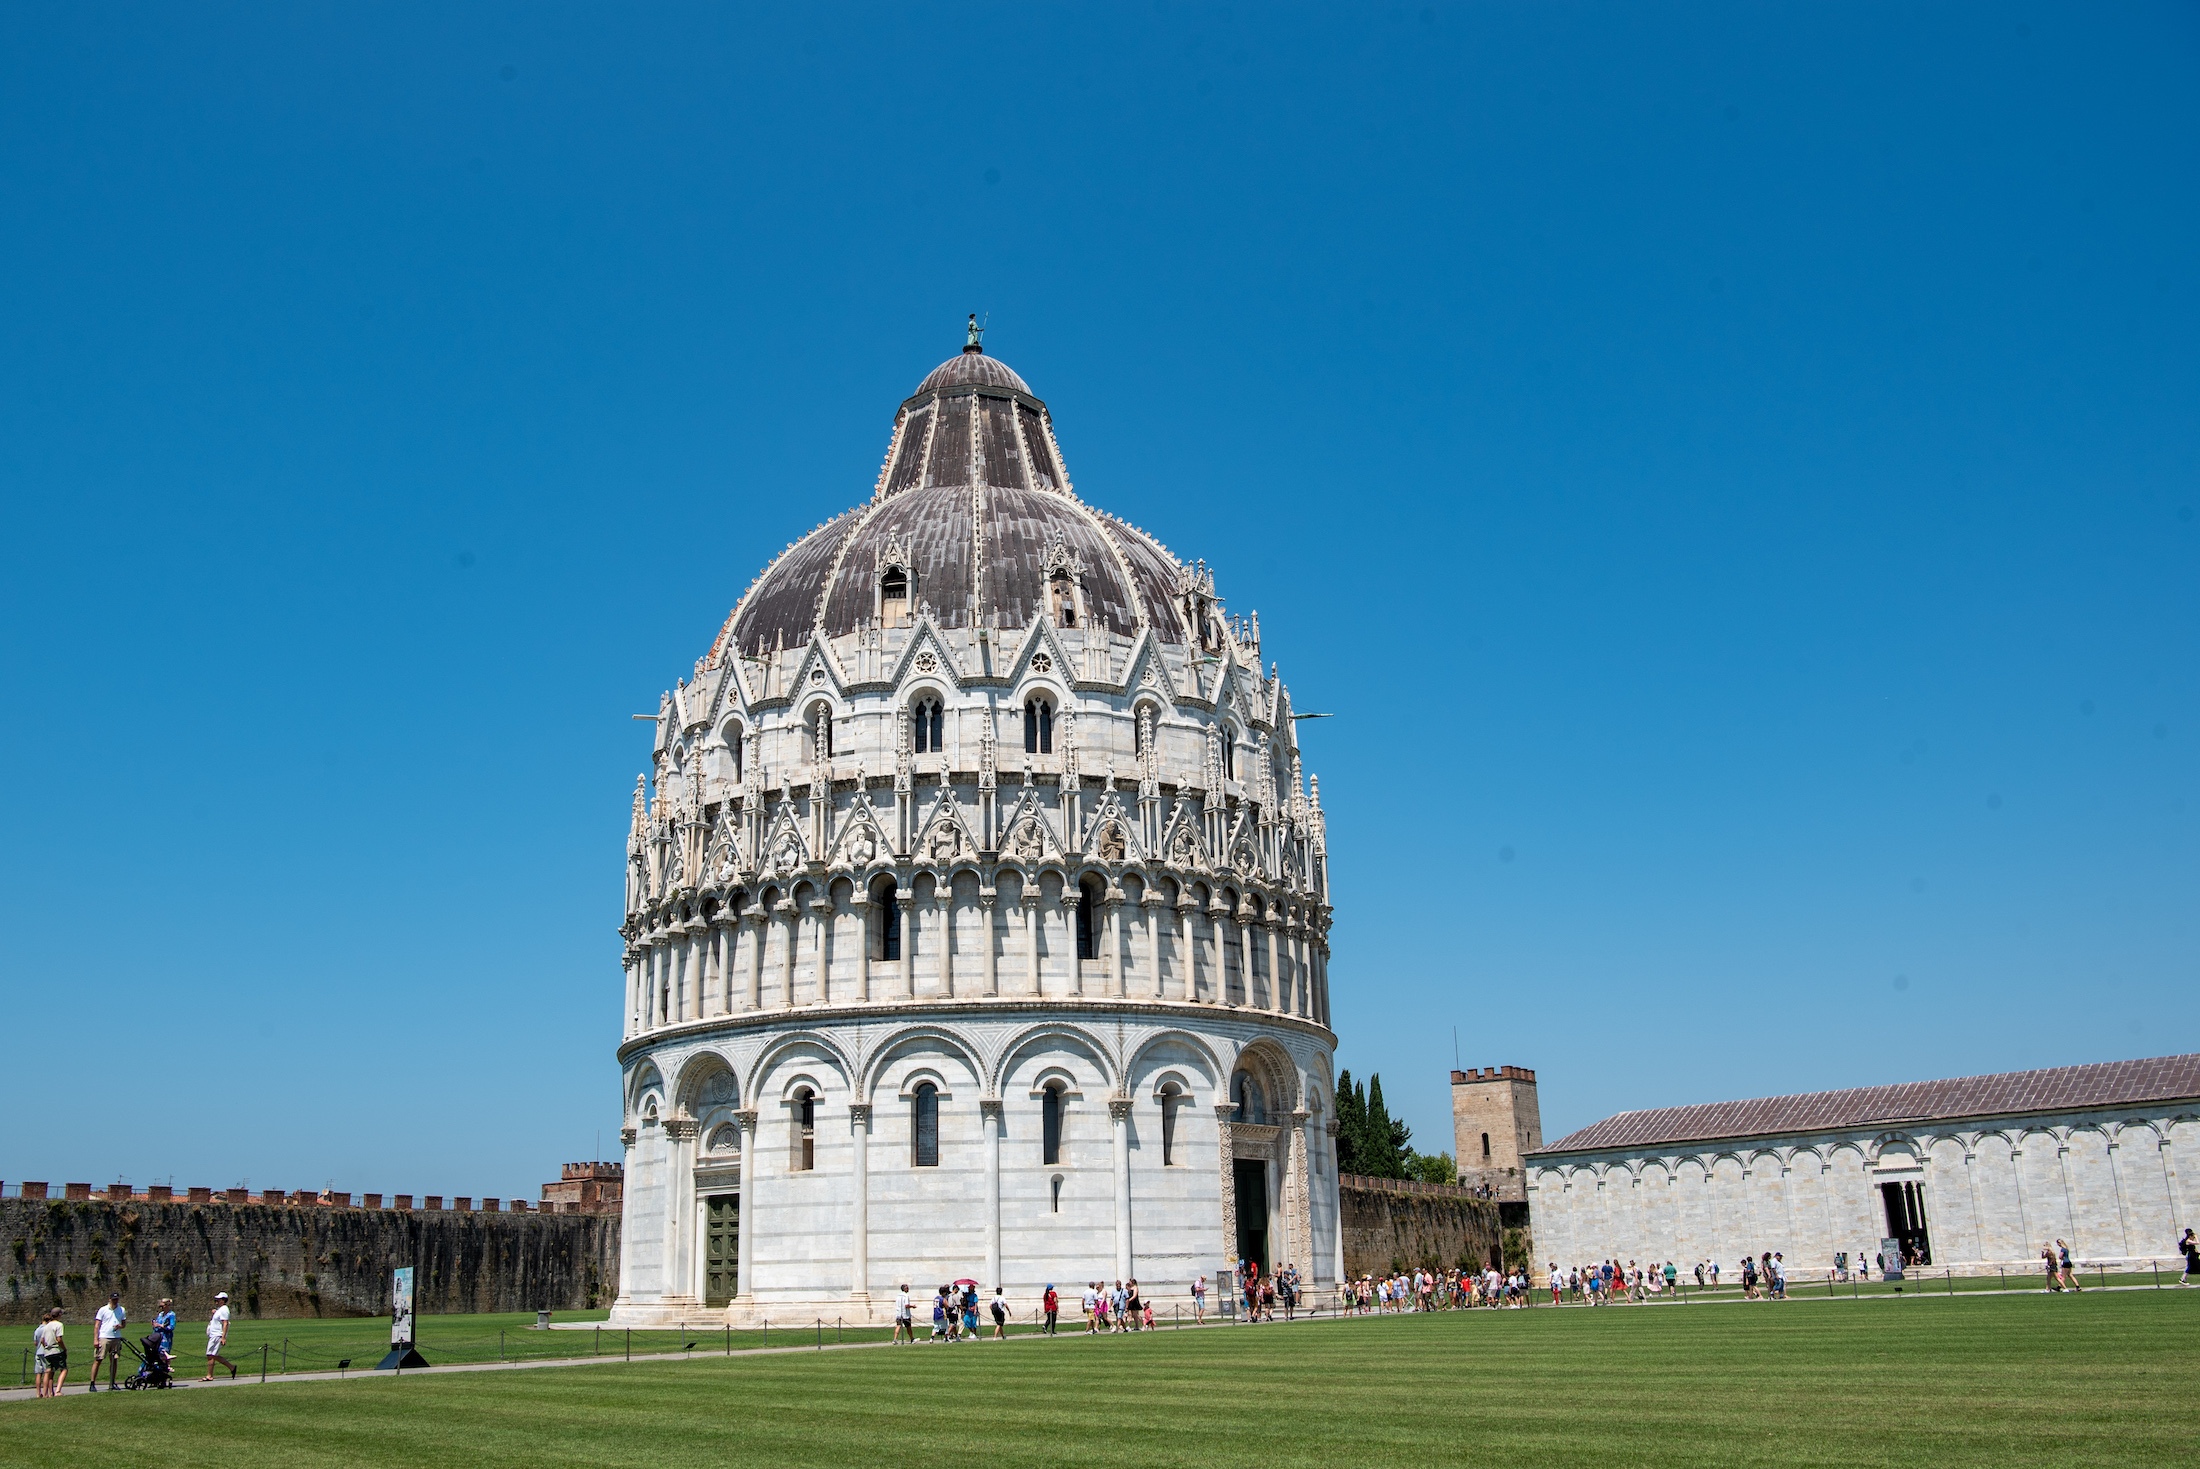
1730 468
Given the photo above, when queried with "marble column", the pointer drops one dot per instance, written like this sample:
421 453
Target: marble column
1243 921
633 970
1186 955
1226 1156
745 1251
679 1272
1069 927
987 901
989 1112
860 902
721 940
1302 1197
1030 903
1217 916
1114 941
822 915
1330 1129
756 919
943 913
859 1204
793 917
1279 983
627 1135
905 904
1150 912
1119 1116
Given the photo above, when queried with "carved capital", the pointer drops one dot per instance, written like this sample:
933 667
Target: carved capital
627 1135
1225 1111
746 1119
859 1114
1331 1127
989 1106
680 1129
1119 1108
1299 1115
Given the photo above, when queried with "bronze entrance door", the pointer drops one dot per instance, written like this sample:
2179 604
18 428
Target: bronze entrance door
721 1248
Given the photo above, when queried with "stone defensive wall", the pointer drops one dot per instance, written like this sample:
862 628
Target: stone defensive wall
1400 1222
297 1259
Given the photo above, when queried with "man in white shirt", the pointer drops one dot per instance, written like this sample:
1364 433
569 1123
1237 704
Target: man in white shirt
217 1333
905 1326
107 1340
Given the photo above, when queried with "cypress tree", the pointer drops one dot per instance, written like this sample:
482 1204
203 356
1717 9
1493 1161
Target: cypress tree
1351 1125
1382 1143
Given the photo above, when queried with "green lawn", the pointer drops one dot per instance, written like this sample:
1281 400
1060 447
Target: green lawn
2100 1379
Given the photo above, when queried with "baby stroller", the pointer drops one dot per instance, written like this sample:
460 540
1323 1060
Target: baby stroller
153 1368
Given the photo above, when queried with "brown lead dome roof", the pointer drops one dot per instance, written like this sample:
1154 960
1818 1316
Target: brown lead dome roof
974 503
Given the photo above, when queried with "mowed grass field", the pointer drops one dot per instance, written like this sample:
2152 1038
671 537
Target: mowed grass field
2100 1379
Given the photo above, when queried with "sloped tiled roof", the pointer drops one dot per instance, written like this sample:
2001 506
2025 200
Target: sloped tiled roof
2056 1089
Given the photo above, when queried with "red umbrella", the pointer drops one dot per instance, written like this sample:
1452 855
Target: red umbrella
963 1282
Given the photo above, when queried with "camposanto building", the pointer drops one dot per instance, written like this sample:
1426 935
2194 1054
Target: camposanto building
976 911
1974 1174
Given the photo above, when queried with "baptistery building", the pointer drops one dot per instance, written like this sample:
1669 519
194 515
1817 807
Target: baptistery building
976 911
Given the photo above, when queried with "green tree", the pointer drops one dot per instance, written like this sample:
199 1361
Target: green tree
1351 1124
1432 1168
1383 1138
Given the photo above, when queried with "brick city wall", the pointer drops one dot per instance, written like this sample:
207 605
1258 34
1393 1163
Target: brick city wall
292 1261
1396 1222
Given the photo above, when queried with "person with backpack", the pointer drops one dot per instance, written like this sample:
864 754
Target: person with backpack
1000 1315
2189 1247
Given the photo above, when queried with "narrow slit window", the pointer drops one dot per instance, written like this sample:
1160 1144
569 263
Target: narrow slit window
1485 1147
805 1130
1038 727
1170 1098
926 1105
1050 1127
887 923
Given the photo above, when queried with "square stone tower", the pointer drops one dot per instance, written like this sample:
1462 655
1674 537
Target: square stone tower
1494 1119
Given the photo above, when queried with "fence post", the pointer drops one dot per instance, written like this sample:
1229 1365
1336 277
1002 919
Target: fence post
729 1338
286 1357
2101 1272
500 1344
2157 1275
2004 1277
1951 1280
595 1343
630 1343
821 1333
263 1361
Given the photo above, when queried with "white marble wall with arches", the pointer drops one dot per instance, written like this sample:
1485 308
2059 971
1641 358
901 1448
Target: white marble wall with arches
2115 1184
1141 1184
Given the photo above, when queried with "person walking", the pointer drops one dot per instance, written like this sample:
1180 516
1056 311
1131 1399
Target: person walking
2054 1282
2069 1275
2189 1247
1199 1294
49 1354
1000 1315
217 1335
107 1324
1052 1305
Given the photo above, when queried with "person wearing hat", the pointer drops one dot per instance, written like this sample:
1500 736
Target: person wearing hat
107 1340
217 1332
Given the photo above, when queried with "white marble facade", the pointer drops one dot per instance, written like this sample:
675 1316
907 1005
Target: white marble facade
979 808
2113 1182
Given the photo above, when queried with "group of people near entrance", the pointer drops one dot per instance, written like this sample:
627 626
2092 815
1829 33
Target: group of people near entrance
50 1347
1435 1290
1258 1294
